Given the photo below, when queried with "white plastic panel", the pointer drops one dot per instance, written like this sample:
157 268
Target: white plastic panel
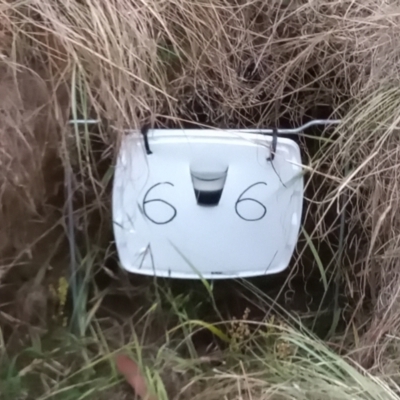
164 224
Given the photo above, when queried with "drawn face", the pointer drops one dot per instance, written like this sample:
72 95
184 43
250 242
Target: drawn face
207 203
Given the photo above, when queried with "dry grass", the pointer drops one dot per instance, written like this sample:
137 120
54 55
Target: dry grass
223 60
275 361
221 63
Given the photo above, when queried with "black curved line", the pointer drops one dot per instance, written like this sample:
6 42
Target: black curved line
145 201
162 201
157 184
256 201
239 200
254 184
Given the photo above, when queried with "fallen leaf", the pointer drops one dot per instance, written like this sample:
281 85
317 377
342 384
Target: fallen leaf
130 370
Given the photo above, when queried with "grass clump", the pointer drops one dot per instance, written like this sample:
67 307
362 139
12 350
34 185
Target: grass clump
209 63
256 369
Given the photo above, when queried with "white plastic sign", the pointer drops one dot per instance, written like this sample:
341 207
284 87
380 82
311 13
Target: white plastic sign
206 204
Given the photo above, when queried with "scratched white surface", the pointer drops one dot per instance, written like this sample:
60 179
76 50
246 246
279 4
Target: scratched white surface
166 233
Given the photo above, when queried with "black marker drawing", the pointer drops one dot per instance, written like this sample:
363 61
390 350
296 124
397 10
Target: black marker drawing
241 200
280 179
131 221
145 202
141 209
270 263
145 252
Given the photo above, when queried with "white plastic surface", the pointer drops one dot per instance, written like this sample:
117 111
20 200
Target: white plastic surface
159 227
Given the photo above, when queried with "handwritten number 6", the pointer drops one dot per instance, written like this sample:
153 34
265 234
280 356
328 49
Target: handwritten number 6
146 202
241 199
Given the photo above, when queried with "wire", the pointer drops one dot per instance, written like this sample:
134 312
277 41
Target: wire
281 131
294 131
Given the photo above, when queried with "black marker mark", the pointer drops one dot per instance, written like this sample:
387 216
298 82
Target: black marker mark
141 209
147 251
145 202
273 167
131 221
151 257
270 263
240 200
118 224
152 260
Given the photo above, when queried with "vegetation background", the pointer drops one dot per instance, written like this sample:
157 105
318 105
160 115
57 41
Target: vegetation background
326 329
